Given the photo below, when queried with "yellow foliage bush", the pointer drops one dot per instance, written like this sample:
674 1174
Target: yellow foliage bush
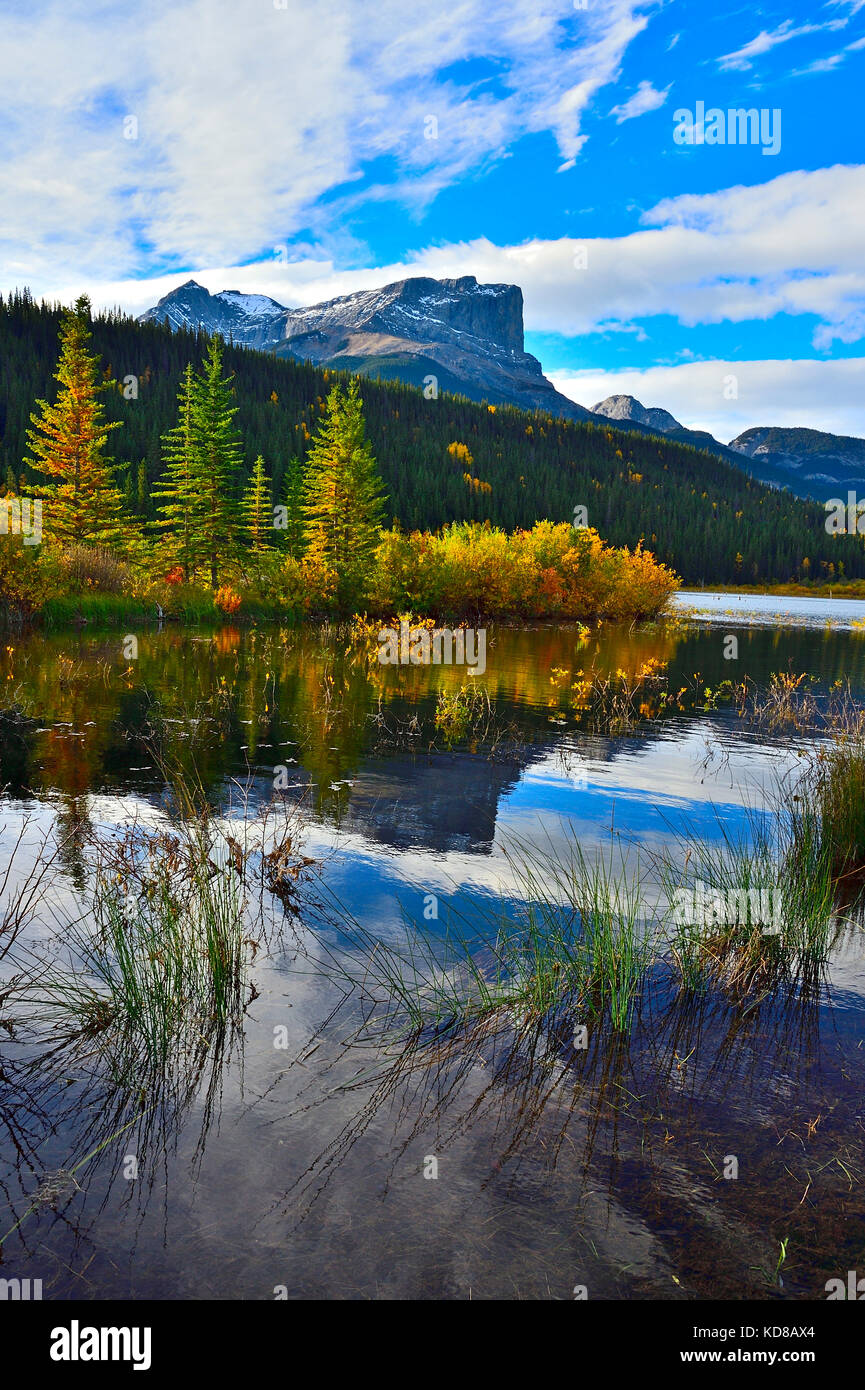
550 571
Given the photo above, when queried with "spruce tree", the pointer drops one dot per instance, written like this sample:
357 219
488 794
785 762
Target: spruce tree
67 443
291 536
218 461
143 489
179 505
256 510
343 506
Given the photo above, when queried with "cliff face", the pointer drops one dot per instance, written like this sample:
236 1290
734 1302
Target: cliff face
424 311
468 336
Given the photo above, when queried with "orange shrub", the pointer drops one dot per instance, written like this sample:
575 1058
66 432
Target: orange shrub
227 600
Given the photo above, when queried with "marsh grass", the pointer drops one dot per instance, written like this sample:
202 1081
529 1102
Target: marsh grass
787 703
96 610
576 935
767 904
838 789
161 954
568 936
155 962
464 713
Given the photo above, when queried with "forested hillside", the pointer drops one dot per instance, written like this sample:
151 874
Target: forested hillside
441 459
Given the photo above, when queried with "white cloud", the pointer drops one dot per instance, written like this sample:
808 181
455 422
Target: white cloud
833 61
248 115
731 256
645 98
816 394
766 40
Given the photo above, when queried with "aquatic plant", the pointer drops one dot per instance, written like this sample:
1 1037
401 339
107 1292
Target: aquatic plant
617 702
568 937
837 784
162 951
461 712
786 703
753 907
154 957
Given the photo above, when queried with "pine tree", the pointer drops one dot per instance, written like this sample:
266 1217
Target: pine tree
177 494
292 534
343 506
218 459
142 498
67 443
256 510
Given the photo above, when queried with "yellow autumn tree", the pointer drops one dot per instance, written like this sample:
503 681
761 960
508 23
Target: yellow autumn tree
67 443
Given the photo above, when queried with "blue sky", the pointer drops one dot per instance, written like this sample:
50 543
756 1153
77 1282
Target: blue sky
305 150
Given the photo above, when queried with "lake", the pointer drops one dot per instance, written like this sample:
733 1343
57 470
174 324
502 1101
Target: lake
306 1153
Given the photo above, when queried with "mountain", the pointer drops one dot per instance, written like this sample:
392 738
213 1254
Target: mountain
708 519
630 414
469 337
248 319
810 462
628 408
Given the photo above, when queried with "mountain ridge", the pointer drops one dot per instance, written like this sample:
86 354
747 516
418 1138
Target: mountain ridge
466 338
711 521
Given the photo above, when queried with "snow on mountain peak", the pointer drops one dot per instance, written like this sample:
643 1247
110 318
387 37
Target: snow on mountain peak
251 303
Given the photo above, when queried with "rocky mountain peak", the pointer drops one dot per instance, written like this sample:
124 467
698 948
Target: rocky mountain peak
421 309
629 408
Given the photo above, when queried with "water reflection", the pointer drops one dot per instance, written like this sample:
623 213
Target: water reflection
303 1167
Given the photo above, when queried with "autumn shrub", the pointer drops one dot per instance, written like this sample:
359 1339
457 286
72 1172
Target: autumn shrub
28 577
551 571
95 568
401 572
227 600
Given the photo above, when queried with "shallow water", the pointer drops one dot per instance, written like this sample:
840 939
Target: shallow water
301 1168
769 608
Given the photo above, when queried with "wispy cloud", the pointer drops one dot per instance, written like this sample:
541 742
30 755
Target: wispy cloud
204 132
645 98
833 61
766 40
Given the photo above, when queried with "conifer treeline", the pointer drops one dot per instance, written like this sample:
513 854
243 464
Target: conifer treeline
710 522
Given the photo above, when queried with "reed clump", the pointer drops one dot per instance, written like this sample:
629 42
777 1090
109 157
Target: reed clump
568 936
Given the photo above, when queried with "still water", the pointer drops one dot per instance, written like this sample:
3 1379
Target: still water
332 1166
